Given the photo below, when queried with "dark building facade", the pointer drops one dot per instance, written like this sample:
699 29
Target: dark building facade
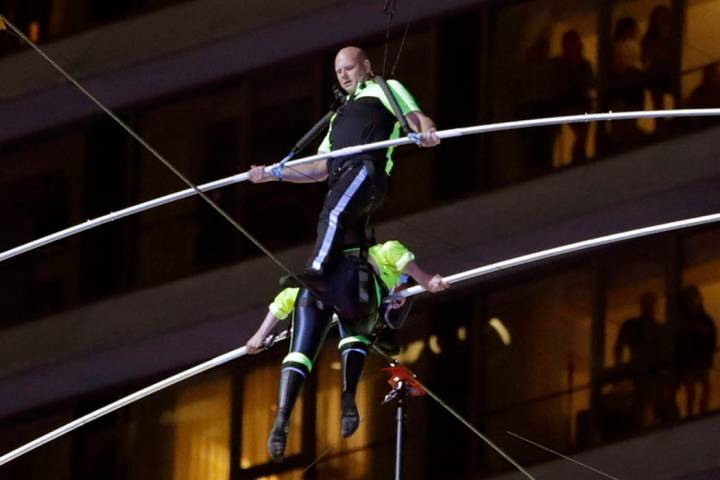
604 357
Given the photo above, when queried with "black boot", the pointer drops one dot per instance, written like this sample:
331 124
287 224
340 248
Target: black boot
352 365
278 437
290 385
349 416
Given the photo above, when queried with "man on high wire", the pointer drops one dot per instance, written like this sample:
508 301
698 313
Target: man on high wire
357 183
338 270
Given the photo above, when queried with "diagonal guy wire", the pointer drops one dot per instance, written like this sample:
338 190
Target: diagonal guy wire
13 29
455 414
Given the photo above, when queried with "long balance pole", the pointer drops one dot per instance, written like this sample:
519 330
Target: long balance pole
443 134
452 279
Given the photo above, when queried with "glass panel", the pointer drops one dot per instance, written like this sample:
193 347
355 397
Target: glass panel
549 322
699 391
348 456
566 412
202 431
348 465
642 67
641 274
700 54
259 404
701 43
294 475
637 344
545 59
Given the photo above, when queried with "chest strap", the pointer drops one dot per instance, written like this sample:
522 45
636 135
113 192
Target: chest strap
415 137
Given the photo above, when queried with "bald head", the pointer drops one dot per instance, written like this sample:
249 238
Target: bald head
352 66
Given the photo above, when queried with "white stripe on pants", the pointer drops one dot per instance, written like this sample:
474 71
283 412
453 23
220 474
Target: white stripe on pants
337 211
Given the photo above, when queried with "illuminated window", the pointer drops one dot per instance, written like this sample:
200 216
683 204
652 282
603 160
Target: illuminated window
702 270
632 282
34 31
701 42
259 404
294 475
546 62
202 431
545 369
345 458
642 63
637 342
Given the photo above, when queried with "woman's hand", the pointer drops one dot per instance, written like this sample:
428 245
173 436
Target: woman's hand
437 284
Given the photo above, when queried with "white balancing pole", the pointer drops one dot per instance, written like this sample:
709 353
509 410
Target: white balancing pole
416 290
570 248
443 134
149 390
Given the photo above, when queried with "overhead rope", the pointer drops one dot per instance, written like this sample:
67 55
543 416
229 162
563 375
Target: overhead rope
389 9
416 290
354 150
194 189
569 459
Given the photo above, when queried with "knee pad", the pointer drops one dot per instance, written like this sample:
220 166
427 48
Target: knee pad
356 343
298 362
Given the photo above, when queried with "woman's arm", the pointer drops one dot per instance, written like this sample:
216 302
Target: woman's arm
257 342
434 283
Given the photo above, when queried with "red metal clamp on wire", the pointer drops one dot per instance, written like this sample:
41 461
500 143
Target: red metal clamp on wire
402 381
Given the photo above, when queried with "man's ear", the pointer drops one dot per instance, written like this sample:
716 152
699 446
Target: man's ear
368 67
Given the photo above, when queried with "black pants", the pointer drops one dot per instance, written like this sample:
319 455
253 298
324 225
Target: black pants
356 190
356 297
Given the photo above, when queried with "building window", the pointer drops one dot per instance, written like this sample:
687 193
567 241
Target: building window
545 62
347 459
259 405
637 392
548 359
202 431
700 83
699 302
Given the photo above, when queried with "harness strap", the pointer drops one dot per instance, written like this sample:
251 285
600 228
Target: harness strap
394 104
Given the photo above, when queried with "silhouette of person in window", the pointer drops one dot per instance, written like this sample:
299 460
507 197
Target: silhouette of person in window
646 339
572 80
694 349
626 92
657 50
535 93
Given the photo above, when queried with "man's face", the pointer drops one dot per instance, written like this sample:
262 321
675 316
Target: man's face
350 70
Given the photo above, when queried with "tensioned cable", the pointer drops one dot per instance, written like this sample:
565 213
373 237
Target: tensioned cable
193 188
402 44
416 290
389 10
566 457
455 414
354 150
